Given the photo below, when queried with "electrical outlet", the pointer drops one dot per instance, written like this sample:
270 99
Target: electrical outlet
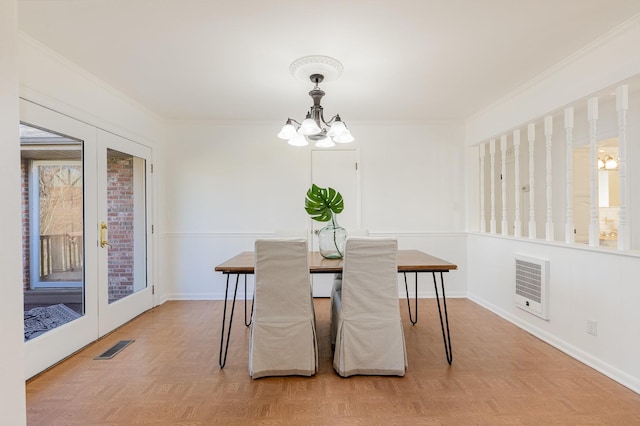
592 327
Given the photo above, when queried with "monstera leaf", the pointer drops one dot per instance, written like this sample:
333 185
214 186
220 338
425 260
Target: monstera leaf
322 203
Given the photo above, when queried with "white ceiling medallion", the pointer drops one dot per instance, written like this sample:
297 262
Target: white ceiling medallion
315 128
303 68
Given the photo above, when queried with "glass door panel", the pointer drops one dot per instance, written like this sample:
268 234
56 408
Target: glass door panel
53 229
126 224
123 228
58 164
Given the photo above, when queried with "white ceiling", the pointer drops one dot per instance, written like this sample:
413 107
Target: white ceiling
403 59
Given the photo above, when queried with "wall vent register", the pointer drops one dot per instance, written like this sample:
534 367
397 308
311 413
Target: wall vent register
532 279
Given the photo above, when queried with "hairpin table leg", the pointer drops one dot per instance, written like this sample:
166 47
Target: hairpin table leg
248 322
413 320
446 337
222 361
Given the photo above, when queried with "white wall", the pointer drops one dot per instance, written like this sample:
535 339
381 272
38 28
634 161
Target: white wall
585 284
412 177
12 389
49 79
228 184
604 63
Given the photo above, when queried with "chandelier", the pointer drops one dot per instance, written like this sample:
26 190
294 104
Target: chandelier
314 128
607 163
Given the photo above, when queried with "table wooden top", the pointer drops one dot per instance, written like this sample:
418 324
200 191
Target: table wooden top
408 261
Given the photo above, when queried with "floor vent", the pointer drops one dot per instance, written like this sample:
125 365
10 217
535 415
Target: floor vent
532 278
115 349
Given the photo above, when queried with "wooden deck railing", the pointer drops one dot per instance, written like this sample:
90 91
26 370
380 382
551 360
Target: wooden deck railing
60 253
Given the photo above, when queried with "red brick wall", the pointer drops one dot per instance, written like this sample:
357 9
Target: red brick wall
120 222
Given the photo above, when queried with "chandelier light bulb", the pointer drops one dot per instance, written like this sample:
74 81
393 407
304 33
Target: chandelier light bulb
288 131
298 140
344 137
325 143
309 127
610 163
337 128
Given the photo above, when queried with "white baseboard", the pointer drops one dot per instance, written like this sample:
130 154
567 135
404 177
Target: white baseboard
426 294
204 296
597 364
240 296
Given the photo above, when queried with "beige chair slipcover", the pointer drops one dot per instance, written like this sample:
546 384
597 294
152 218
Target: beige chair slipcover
283 335
337 283
368 328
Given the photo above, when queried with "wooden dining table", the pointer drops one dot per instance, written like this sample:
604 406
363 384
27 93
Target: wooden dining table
409 261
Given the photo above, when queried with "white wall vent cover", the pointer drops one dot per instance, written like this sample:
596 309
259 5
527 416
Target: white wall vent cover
532 279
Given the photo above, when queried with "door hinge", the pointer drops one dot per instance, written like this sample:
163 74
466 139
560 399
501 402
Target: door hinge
152 229
151 167
153 289
356 166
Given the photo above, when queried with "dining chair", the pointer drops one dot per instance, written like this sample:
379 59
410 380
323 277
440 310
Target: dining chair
337 282
283 334
368 328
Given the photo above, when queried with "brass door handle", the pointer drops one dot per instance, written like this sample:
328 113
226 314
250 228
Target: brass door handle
103 235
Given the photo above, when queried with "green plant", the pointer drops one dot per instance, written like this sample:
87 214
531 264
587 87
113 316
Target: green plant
323 203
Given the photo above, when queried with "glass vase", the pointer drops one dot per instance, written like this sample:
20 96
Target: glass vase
331 240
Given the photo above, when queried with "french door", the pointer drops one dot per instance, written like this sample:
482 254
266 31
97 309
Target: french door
86 230
123 227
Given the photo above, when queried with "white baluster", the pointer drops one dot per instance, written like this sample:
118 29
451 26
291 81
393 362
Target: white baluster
548 131
569 234
531 136
516 156
492 152
504 226
594 225
622 105
483 219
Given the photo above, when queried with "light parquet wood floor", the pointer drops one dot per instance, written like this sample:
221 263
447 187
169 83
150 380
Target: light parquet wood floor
500 375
